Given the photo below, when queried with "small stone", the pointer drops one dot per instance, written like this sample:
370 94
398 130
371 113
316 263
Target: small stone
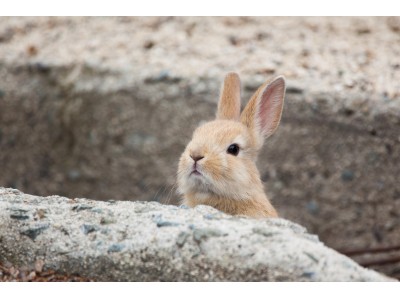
39 265
87 228
311 256
35 231
32 50
41 67
163 76
347 175
106 221
294 90
166 223
308 274
74 174
394 24
312 207
363 30
6 35
81 207
14 272
205 233
181 239
264 231
19 217
233 40
208 217
263 36
31 276
265 177
41 213
115 248
162 223
378 234
148 44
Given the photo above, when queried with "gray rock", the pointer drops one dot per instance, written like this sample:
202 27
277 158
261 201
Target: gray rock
136 248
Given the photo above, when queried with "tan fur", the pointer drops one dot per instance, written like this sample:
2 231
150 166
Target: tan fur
229 103
227 182
255 208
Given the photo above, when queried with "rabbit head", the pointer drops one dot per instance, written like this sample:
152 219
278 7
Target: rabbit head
218 166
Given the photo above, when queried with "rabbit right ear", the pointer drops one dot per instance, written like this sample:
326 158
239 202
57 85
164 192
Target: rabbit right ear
229 101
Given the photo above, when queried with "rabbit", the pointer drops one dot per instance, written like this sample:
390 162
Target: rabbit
217 168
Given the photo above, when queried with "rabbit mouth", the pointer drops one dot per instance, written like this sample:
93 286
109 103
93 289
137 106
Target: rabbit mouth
195 170
195 173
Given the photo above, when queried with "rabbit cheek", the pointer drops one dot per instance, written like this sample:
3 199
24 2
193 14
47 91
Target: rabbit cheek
213 167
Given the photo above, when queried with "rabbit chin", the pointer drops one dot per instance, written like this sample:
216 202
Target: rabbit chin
202 188
196 184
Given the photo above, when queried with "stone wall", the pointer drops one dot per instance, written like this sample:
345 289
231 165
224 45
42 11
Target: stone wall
148 241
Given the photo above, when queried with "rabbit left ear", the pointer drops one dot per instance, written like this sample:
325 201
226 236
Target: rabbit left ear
263 112
229 101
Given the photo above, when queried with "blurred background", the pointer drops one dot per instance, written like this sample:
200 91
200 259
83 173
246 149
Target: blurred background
102 108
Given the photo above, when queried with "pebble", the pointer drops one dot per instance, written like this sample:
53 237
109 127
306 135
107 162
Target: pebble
208 217
204 233
34 232
308 274
19 217
163 76
87 228
41 67
166 224
347 175
81 207
19 214
264 231
74 174
181 239
294 90
162 223
106 221
312 207
148 44
116 248
311 256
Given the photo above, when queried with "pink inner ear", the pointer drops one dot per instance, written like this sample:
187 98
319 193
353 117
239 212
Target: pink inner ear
270 106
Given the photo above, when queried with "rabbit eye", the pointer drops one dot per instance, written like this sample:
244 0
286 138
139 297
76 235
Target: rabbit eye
233 149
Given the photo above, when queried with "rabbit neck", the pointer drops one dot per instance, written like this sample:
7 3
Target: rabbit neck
257 206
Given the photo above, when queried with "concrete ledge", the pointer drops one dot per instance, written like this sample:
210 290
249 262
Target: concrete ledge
147 241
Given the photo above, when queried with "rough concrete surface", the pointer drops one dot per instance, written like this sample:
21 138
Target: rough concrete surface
102 108
148 241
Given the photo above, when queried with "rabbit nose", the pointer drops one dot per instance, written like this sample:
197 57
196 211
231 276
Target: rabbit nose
196 157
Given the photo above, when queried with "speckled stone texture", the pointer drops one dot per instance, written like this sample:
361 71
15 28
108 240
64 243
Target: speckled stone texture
148 241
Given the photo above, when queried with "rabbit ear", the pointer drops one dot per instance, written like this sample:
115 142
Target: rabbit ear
263 112
229 101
